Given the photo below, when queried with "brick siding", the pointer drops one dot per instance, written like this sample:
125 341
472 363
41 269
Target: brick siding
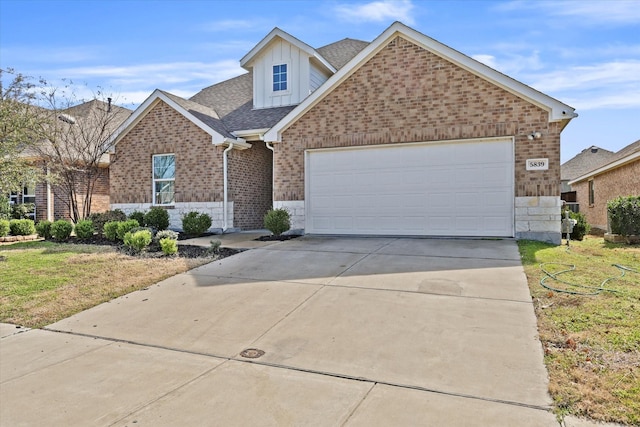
199 167
622 181
407 94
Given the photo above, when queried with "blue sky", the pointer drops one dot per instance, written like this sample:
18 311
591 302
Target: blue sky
586 53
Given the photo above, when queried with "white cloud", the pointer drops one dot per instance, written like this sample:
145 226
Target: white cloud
377 11
489 60
586 12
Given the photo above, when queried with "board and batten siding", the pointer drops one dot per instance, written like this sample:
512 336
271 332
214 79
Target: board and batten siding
298 65
316 78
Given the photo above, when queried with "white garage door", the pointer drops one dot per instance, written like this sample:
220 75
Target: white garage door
457 188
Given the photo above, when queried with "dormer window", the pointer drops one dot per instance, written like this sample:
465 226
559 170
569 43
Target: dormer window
279 77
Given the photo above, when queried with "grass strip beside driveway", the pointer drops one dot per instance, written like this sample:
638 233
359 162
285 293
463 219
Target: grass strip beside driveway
43 282
591 343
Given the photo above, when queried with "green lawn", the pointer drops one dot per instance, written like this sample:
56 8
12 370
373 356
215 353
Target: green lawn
591 342
43 282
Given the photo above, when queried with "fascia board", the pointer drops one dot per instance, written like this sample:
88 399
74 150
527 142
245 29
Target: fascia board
558 111
147 106
277 32
613 165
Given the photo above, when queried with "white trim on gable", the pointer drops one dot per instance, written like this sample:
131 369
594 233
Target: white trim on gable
245 62
151 102
558 111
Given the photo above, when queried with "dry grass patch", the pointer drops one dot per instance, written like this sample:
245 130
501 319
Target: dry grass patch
43 282
591 342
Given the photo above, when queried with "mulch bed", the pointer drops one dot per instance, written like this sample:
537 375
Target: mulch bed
154 251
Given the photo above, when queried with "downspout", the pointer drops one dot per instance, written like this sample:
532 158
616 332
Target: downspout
273 171
224 172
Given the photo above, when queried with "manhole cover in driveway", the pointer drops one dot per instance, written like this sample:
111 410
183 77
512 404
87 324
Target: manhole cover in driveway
251 353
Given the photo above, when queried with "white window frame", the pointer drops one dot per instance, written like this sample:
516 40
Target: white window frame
288 81
25 187
154 180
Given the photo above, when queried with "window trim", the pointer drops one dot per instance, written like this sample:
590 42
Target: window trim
288 81
154 180
591 193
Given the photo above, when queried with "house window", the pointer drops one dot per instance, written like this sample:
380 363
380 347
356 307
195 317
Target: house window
164 176
29 196
279 77
591 194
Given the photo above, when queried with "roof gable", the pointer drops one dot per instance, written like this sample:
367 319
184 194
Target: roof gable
558 111
247 60
630 153
585 161
203 117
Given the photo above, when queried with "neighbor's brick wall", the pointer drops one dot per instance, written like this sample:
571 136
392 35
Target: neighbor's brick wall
622 181
407 94
99 200
163 131
250 178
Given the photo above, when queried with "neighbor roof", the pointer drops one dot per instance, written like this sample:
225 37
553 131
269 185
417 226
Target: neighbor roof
585 161
630 153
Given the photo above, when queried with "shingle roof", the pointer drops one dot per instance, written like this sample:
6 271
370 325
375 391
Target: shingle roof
341 52
227 96
205 114
587 160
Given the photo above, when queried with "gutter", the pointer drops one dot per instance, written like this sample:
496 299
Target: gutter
273 170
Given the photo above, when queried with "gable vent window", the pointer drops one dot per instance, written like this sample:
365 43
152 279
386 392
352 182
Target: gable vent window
279 77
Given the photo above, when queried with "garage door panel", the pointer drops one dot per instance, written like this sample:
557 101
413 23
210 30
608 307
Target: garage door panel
462 188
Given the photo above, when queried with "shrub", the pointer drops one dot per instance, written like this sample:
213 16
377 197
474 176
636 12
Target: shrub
215 246
4 227
61 229
277 221
22 210
5 208
624 215
581 228
84 229
137 241
138 216
126 226
166 234
100 219
111 230
195 224
22 227
157 218
43 228
168 246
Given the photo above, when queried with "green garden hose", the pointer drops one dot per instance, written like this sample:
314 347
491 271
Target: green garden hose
593 290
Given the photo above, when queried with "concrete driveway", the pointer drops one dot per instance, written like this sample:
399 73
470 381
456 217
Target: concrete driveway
355 331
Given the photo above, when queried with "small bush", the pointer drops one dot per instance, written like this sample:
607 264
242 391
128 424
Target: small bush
166 234
215 246
43 228
195 224
84 229
277 221
4 227
5 208
126 226
111 230
169 246
22 227
100 219
624 215
581 228
138 216
137 241
22 210
157 218
61 229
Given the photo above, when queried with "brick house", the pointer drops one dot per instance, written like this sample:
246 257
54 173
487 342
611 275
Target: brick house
400 136
619 176
51 198
585 161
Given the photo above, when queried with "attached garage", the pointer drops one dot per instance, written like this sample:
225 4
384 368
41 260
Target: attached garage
445 188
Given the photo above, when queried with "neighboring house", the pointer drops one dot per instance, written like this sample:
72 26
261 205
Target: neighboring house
620 176
400 136
583 162
51 199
